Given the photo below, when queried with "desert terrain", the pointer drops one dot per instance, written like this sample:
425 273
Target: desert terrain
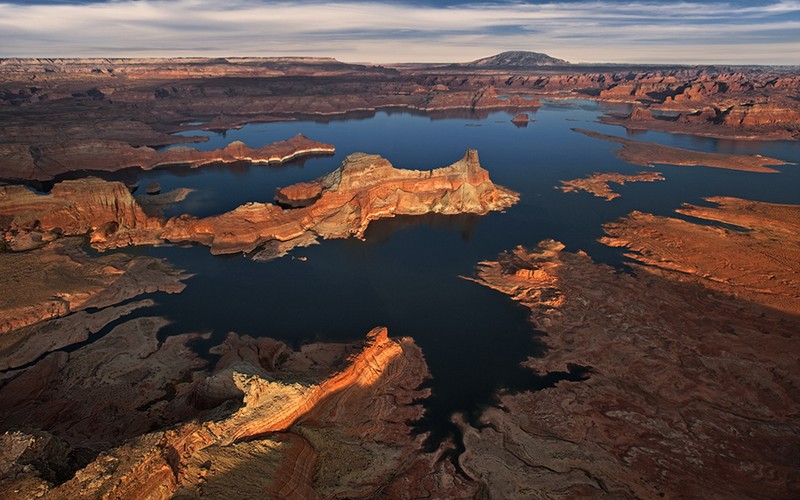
675 372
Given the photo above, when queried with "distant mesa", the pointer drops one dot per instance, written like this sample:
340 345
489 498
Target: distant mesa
517 59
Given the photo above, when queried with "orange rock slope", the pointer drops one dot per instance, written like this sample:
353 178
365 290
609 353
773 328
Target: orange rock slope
759 262
691 392
340 204
346 436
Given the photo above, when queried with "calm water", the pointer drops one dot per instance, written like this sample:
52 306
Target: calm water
405 274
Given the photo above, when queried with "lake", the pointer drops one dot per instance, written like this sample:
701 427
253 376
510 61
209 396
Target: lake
406 273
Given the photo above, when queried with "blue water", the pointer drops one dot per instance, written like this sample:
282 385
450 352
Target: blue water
406 273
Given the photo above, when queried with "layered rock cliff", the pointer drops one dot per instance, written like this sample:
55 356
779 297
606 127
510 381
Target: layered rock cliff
107 211
342 204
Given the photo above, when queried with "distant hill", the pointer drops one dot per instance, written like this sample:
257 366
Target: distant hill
517 59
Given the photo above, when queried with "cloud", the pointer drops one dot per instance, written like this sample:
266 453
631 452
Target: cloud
591 31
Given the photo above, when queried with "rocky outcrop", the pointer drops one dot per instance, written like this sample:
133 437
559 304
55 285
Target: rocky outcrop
45 161
761 115
31 461
342 203
22 347
346 436
756 264
60 279
120 385
338 205
689 393
598 183
641 114
105 210
521 120
647 154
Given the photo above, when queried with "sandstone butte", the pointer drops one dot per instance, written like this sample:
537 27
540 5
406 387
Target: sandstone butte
339 204
598 183
345 435
47 161
693 378
647 154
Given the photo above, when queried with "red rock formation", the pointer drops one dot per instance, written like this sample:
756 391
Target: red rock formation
364 188
640 114
356 416
598 183
757 265
521 120
105 210
761 115
297 195
60 279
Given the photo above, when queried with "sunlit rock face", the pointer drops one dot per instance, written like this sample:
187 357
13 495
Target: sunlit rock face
346 434
105 210
338 205
342 203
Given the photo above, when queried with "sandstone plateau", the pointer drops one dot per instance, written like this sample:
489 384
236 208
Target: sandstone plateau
338 205
756 262
693 378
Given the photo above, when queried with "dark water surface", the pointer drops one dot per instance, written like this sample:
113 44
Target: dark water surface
405 274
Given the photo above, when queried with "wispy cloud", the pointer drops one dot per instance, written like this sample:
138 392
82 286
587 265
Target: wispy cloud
604 30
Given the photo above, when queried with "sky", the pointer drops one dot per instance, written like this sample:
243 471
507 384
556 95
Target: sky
643 31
